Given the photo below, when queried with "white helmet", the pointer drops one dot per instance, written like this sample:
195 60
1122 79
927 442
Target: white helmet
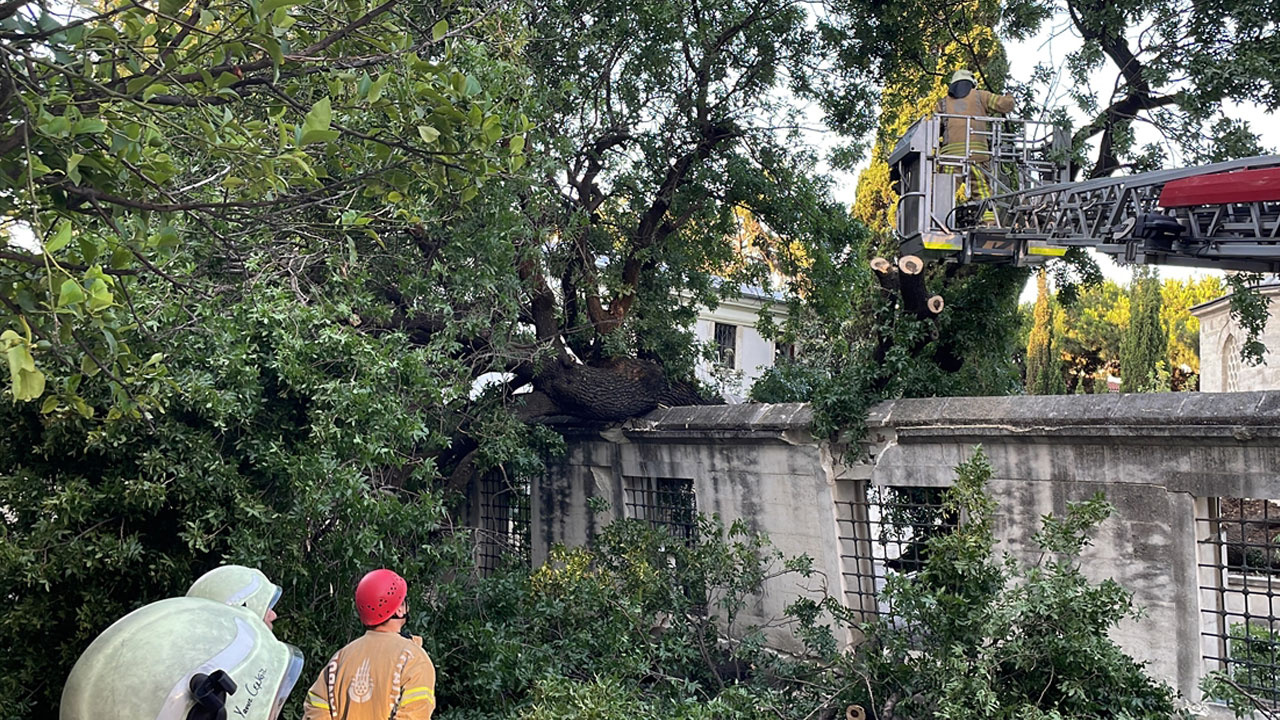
182 659
237 585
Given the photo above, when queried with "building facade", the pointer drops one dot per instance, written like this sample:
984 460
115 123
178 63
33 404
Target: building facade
742 354
1221 338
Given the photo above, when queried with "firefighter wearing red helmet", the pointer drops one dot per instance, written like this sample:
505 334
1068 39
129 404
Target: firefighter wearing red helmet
382 674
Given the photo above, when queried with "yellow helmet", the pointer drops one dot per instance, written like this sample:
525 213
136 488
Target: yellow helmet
182 659
964 75
237 585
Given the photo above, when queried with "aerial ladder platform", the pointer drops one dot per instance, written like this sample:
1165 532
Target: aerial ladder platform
1008 198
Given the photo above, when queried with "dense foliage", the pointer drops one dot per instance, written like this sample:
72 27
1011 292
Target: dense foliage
1091 330
640 624
273 272
1144 346
277 277
975 636
200 144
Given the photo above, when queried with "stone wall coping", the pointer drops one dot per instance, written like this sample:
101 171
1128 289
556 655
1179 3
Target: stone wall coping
745 417
1111 414
1112 410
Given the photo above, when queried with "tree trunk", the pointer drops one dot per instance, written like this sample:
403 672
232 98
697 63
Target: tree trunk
621 389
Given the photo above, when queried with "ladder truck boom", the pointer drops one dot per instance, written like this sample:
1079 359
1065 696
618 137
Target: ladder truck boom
1011 201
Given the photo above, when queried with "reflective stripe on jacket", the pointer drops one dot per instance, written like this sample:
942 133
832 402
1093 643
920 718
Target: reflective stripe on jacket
378 676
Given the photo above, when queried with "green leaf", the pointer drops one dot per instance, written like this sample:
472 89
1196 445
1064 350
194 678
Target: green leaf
154 89
517 144
167 237
73 168
49 405
377 86
492 129
38 168
27 381
70 293
88 367
439 30
54 126
82 407
172 7
428 133
315 136
319 116
89 126
100 296
60 238
271 6
274 49
315 127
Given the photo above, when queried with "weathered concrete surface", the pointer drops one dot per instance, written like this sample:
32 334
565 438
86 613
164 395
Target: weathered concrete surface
1152 456
755 463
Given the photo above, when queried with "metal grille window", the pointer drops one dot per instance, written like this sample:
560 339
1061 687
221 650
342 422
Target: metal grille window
884 530
1239 570
1230 364
504 521
664 502
726 337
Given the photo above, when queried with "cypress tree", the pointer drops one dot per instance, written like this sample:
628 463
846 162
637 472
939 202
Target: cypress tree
1044 365
1145 345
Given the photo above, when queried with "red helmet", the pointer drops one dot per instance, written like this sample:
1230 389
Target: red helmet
378 596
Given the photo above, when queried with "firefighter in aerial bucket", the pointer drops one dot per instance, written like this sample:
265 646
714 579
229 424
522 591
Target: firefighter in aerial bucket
239 586
184 658
964 134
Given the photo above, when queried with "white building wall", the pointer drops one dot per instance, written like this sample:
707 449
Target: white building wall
754 353
1220 339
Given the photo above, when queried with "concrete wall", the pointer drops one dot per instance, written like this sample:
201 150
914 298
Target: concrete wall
755 463
1158 458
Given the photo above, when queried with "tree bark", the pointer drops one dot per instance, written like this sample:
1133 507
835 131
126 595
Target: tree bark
620 389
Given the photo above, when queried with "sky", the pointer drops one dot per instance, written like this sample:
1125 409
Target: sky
1051 46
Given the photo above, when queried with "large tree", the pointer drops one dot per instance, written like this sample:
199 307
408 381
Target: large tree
209 144
1177 65
277 245
1145 347
666 125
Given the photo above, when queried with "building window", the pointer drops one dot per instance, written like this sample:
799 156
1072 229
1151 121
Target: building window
783 352
1239 580
503 534
883 531
726 338
666 503
1230 364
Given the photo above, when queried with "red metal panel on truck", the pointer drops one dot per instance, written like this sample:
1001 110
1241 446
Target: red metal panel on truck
1241 186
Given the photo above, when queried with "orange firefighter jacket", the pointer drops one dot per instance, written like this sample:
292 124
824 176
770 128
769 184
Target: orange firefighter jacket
977 103
378 676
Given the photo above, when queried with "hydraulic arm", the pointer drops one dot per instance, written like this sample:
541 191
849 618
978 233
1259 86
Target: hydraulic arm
1009 199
